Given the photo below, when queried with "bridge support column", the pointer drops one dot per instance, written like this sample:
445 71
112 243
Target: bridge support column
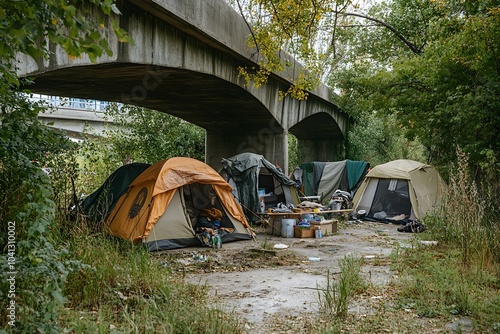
273 146
322 150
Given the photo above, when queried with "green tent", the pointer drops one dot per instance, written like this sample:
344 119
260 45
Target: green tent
323 178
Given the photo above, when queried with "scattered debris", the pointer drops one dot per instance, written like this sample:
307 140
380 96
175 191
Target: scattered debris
428 242
199 257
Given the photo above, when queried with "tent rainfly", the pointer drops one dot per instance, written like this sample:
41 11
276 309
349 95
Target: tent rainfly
161 205
399 187
99 204
248 173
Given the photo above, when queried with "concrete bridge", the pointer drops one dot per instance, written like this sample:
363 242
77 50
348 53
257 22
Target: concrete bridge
184 62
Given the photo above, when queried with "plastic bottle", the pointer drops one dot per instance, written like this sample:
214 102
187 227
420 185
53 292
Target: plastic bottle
318 234
219 242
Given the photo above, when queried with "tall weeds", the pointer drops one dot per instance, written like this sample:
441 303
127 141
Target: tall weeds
462 220
334 298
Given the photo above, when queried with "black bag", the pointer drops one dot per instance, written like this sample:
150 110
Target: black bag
413 226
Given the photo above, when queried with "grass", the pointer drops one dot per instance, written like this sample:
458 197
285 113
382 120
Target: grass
334 298
122 288
464 220
125 289
432 287
436 284
266 245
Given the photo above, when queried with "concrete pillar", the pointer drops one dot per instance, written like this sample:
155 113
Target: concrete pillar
273 146
322 150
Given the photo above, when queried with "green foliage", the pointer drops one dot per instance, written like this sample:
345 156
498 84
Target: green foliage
462 222
428 69
125 289
446 93
149 136
292 26
26 192
29 27
26 195
381 138
96 161
294 152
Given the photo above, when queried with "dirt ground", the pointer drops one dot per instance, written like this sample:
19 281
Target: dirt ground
272 289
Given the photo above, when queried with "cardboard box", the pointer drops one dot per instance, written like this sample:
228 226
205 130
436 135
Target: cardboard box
303 232
328 227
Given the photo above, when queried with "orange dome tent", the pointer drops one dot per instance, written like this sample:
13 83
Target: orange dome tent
161 205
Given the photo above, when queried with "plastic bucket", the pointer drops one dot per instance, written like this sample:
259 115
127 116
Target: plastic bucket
287 228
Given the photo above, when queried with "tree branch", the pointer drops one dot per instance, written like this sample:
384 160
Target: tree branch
334 32
248 25
410 45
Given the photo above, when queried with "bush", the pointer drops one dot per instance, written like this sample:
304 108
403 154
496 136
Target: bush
35 265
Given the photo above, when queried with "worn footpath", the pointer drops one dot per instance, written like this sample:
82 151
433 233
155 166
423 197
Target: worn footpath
270 287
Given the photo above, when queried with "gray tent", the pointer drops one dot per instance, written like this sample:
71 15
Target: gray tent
249 172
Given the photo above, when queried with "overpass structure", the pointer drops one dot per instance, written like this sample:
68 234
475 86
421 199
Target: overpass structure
184 62
77 118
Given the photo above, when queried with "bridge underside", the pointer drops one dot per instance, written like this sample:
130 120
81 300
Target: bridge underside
234 120
320 138
194 97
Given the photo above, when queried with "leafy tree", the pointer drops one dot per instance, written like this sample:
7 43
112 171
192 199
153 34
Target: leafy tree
445 92
294 152
97 159
30 26
433 64
379 138
297 27
146 135
26 192
329 38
